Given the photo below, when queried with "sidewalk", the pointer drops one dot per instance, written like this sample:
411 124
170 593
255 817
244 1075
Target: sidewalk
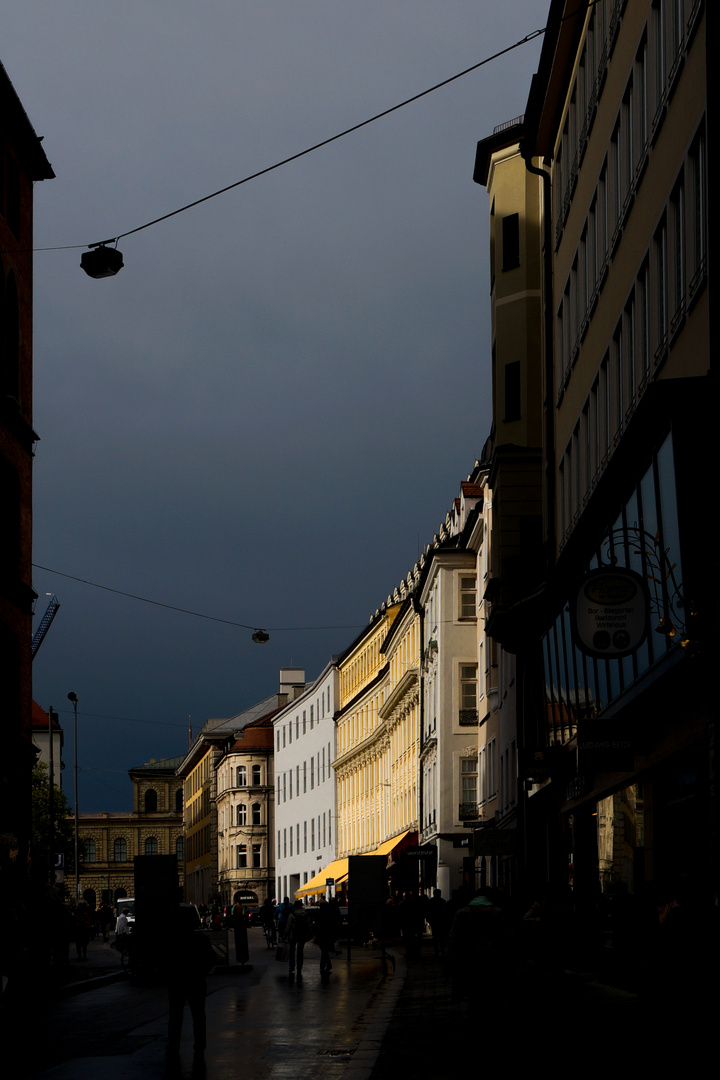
101 967
363 1023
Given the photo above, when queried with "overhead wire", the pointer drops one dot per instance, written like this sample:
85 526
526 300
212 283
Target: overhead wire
308 150
188 611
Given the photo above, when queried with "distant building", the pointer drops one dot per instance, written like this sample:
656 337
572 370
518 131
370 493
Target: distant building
450 800
22 162
203 801
110 841
246 818
46 734
305 808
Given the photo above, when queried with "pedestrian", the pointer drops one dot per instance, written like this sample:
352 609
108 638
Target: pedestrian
105 919
189 960
267 918
239 925
412 925
83 929
297 932
122 933
437 918
285 912
326 934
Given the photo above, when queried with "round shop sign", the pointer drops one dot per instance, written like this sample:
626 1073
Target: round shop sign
610 612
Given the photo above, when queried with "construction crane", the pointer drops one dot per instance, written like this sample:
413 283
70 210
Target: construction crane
44 624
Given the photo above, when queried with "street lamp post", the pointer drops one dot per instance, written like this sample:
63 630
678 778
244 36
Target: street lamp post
74 699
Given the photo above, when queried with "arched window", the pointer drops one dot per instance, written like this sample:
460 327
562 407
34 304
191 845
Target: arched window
180 848
256 775
150 801
242 814
241 776
151 845
179 801
256 814
120 850
90 851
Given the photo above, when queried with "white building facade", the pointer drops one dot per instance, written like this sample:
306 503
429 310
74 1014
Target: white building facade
305 806
449 745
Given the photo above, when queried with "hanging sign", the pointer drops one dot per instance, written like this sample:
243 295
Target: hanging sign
610 612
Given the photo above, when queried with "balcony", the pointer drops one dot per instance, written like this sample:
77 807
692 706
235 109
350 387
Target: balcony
468 811
468 717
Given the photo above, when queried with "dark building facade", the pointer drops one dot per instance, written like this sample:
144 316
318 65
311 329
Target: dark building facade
616 763
22 162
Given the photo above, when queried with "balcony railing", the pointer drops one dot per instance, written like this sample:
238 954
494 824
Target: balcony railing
468 811
468 717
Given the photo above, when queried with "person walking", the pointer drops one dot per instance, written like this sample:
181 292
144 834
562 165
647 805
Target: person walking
83 929
298 931
326 934
190 959
239 925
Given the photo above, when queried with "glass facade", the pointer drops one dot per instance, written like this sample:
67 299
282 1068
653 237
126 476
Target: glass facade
644 537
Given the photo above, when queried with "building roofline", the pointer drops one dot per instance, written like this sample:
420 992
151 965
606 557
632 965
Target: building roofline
21 134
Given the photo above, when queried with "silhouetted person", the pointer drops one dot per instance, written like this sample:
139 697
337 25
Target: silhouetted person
326 934
239 925
298 932
189 960
436 915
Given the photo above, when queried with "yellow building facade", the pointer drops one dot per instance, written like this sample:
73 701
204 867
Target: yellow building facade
378 731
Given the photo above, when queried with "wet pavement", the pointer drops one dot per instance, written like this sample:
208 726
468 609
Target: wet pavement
260 1022
366 1021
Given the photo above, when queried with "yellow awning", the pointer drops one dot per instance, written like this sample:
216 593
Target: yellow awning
387 847
337 870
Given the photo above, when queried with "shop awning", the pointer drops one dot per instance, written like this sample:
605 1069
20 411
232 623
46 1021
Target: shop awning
337 870
388 846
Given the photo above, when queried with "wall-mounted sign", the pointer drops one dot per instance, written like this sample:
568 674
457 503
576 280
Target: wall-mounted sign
610 612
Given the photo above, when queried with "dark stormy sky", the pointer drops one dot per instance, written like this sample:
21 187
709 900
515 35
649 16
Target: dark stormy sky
272 406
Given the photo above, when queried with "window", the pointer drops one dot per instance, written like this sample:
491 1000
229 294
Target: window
312 773
242 814
151 846
178 801
241 776
257 853
468 788
468 597
661 286
120 851
512 391
697 214
241 856
256 814
511 241
90 851
468 694
180 848
256 775
151 801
